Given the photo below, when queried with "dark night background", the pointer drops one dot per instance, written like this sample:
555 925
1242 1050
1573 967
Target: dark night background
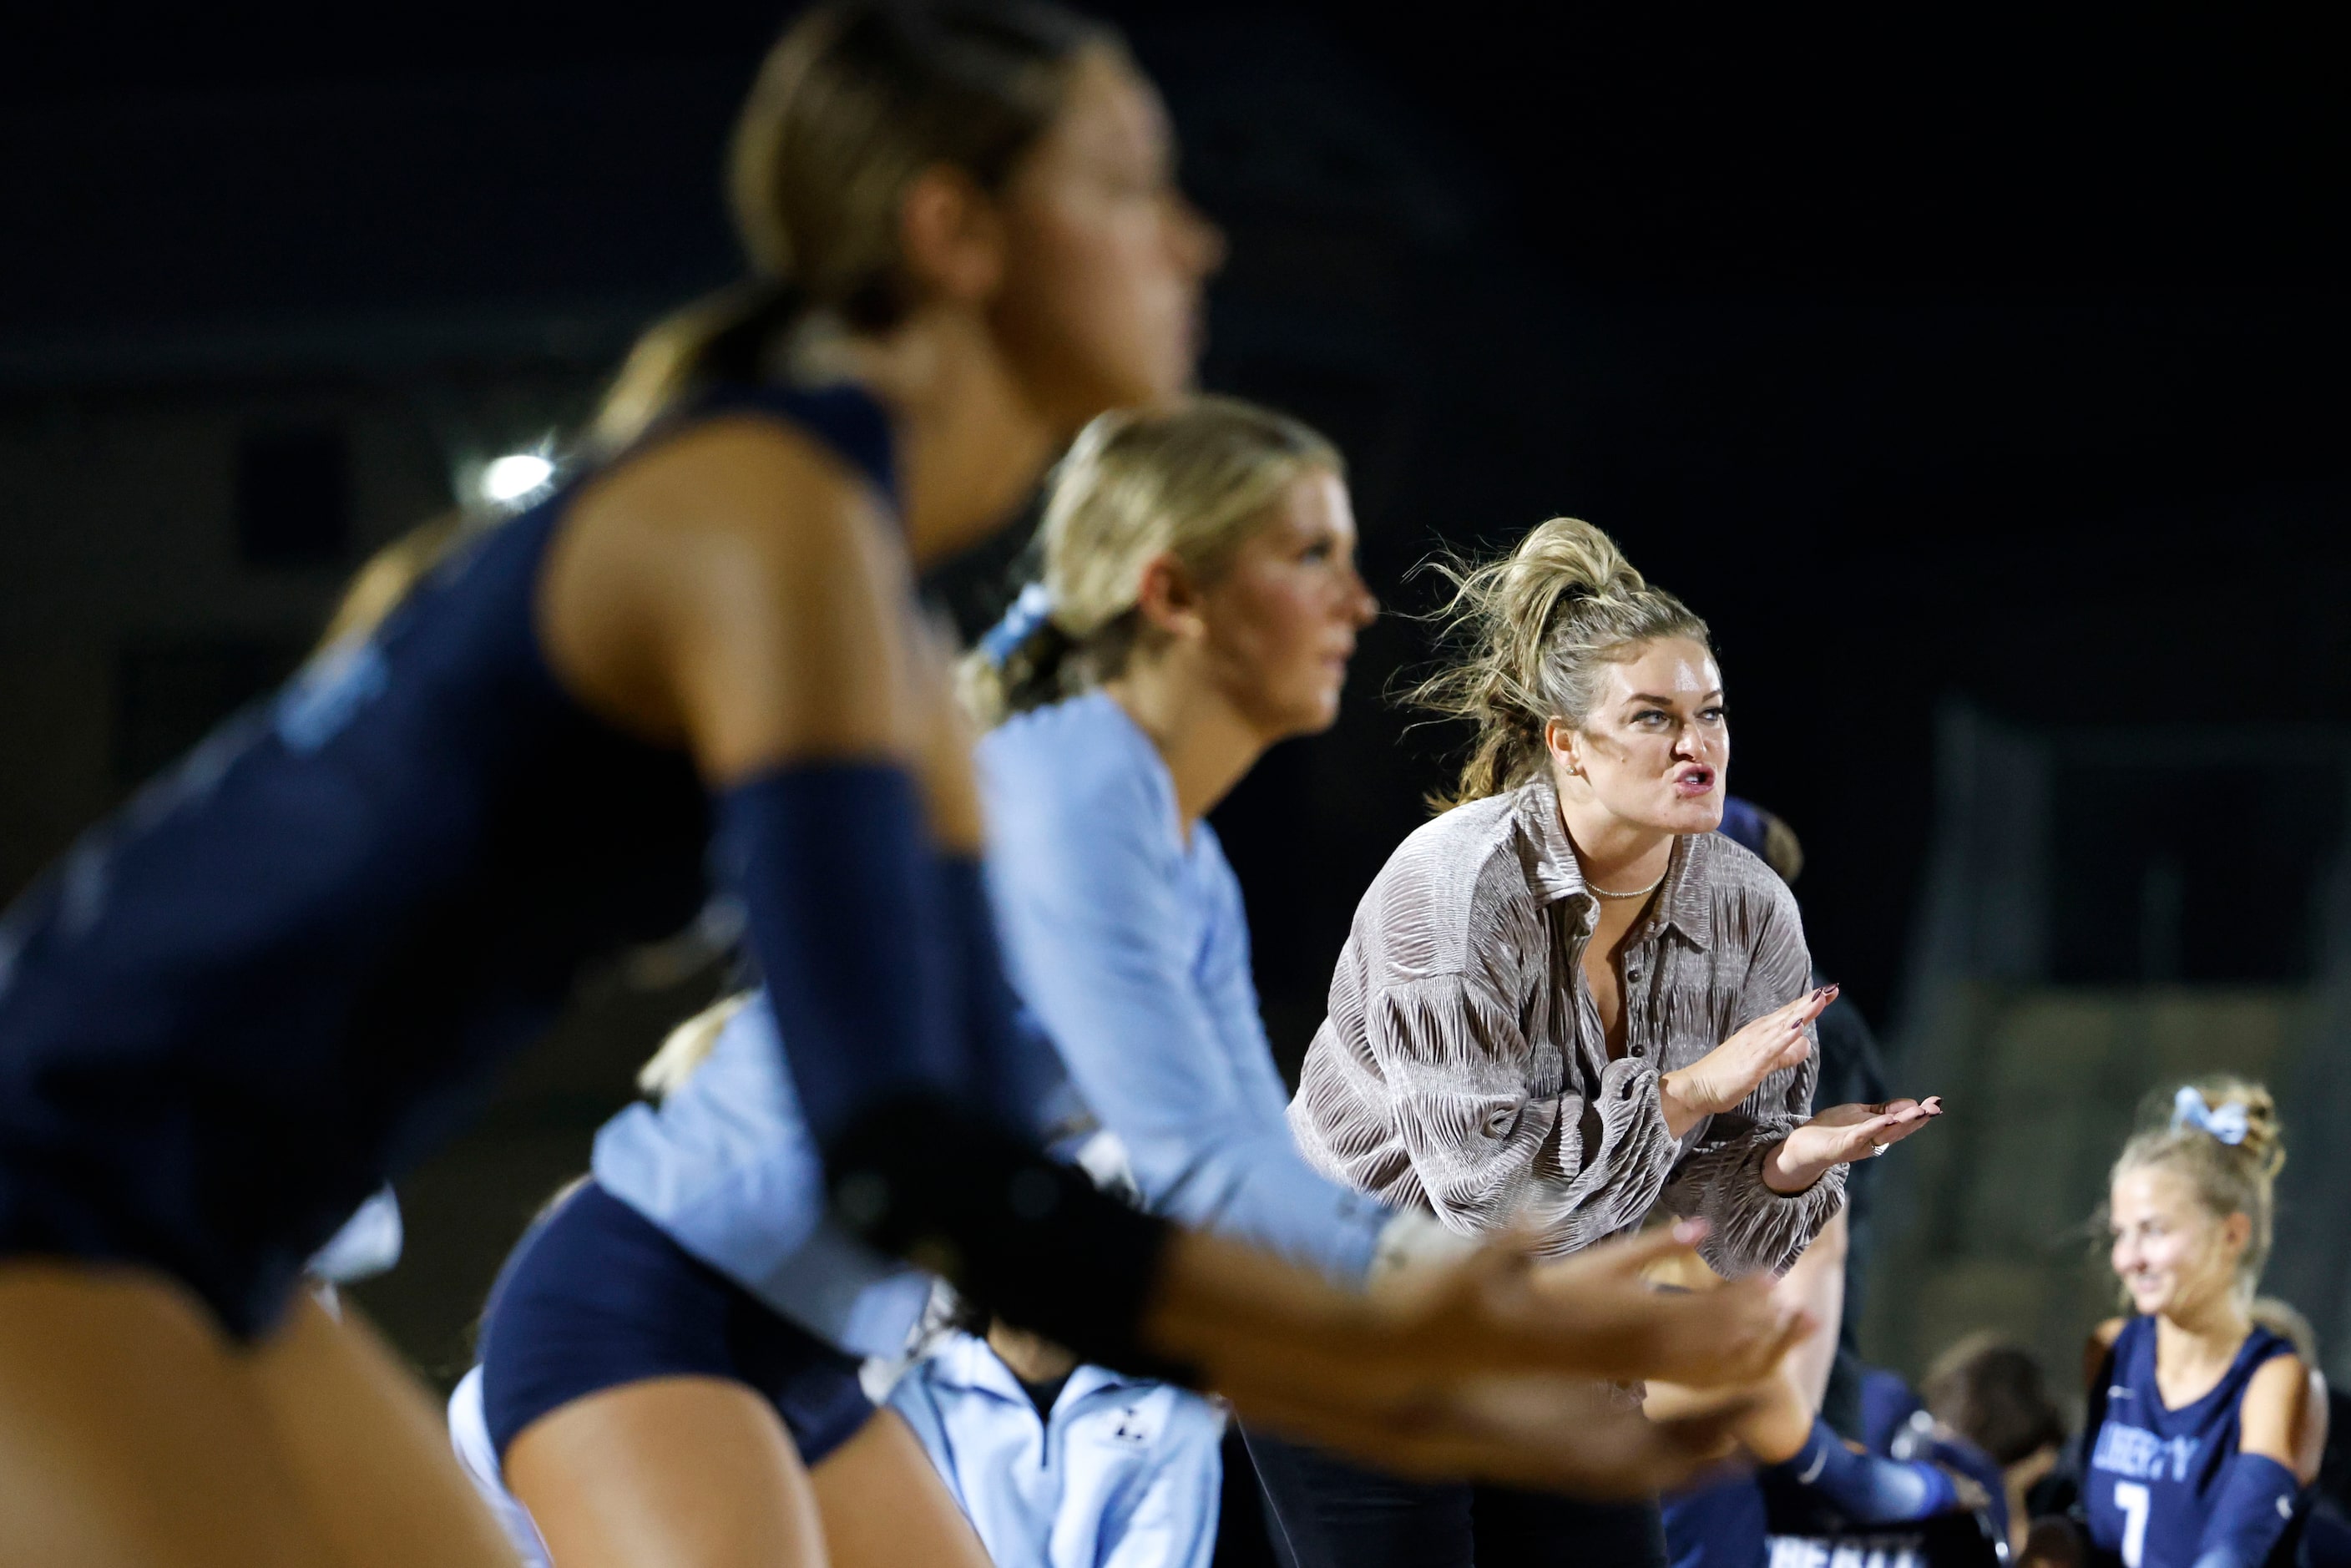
1942 358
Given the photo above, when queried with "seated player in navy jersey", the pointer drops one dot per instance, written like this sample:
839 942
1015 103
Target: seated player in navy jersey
1808 1473
1989 1414
1808 1479
2199 1443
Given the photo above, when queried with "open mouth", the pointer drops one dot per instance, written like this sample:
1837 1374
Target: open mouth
1695 780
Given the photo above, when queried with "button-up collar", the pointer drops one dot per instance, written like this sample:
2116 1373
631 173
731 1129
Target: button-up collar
1555 874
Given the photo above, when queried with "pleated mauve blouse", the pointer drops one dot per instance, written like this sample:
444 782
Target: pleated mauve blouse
1462 1067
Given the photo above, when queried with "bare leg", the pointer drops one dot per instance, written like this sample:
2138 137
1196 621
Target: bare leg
885 1507
128 1434
689 1473
369 1449
698 1472
133 1432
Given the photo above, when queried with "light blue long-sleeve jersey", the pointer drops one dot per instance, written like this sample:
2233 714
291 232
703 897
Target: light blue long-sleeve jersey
728 1168
1125 1474
1131 947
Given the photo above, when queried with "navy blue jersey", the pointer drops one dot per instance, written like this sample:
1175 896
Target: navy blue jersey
2153 1471
290 967
1720 1523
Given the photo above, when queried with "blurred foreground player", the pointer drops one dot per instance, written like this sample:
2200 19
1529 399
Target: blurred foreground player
287 970
701 1221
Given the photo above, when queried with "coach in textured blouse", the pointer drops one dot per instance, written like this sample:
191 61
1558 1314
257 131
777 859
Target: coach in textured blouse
1567 998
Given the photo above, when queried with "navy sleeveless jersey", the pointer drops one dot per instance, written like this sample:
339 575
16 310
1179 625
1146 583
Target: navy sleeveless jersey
2154 1472
290 965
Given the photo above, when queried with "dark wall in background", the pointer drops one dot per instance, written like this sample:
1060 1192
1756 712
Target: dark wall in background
1954 356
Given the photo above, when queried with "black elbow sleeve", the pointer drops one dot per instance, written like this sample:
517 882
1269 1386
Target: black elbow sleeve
1020 1234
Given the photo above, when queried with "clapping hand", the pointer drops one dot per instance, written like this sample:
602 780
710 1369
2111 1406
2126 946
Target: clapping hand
1733 1070
1843 1134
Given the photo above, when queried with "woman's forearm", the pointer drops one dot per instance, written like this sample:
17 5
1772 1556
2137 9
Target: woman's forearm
1674 1098
1789 1177
1755 1225
1777 1041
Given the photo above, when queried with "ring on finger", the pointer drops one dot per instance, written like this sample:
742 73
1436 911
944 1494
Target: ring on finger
1876 1148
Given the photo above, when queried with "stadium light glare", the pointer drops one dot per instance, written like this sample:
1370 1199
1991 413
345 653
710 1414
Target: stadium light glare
511 478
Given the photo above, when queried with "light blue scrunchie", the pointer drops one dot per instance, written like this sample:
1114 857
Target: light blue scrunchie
2227 1124
1031 610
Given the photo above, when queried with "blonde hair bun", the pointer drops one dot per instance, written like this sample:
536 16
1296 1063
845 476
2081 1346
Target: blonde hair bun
1565 558
2262 1143
1534 630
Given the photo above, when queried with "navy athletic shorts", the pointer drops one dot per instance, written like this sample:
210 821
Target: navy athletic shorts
597 1295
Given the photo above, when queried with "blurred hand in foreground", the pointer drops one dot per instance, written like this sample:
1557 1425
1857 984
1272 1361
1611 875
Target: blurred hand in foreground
1567 1434
1728 1337
1484 1368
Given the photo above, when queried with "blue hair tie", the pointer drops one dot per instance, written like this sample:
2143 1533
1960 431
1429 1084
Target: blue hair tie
2228 1123
1021 620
